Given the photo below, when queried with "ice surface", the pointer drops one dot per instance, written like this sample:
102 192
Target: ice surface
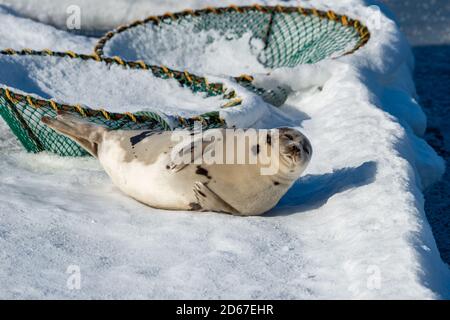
352 227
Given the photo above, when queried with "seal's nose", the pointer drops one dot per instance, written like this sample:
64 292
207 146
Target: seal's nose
295 149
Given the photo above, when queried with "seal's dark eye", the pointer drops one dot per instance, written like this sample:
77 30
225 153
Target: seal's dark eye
305 149
289 136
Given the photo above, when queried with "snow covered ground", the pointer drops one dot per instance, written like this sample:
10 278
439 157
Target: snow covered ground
353 227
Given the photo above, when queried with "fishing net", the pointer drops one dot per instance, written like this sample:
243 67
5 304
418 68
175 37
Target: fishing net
23 111
237 40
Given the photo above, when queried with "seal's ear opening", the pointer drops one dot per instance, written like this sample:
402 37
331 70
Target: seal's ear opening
87 135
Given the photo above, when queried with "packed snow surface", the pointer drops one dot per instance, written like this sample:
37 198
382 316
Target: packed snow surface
352 227
206 52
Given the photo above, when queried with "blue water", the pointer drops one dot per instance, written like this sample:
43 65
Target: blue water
432 78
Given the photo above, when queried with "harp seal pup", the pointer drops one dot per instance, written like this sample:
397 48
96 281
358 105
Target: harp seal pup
141 164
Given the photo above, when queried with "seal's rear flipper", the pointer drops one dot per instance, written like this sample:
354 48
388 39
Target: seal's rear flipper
86 134
210 201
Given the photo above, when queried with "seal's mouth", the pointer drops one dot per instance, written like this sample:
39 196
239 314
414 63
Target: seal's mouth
294 155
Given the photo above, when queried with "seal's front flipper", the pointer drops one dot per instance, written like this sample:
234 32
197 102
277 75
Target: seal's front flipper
87 135
210 201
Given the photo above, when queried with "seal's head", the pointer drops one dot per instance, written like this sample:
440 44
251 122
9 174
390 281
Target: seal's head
295 150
